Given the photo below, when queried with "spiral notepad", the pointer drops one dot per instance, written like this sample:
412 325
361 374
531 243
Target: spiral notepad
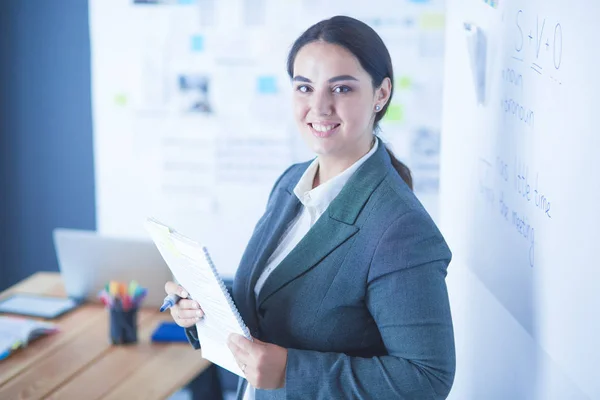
193 268
224 290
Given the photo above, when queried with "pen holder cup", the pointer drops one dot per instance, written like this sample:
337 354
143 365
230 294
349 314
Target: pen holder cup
123 326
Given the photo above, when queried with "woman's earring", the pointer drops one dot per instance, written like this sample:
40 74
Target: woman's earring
377 108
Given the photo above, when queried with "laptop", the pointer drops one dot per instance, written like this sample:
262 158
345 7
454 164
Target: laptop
88 260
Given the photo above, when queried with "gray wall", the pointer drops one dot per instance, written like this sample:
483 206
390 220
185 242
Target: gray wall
46 148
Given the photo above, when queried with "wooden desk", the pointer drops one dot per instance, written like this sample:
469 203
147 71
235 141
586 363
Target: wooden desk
79 363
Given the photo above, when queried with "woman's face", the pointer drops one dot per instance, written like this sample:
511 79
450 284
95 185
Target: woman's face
334 101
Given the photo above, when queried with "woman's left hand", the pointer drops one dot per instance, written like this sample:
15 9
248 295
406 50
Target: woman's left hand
262 363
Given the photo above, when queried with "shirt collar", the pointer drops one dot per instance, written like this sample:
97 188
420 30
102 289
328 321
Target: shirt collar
320 197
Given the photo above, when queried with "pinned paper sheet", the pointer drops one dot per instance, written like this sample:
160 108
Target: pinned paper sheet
477 46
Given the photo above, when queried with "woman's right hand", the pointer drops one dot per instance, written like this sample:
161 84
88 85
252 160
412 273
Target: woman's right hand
186 312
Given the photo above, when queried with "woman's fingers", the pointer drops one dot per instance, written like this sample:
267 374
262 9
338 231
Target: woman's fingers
188 314
186 323
188 304
187 309
173 288
190 308
183 322
185 318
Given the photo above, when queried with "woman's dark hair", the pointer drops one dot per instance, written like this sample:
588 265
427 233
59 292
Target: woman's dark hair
366 45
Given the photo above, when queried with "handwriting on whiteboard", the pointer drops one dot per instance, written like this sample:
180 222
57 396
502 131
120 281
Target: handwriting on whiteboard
538 44
509 191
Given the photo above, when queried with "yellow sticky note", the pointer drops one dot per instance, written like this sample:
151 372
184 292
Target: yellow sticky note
171 247
404 82
162 233
432 21
395 113
121 99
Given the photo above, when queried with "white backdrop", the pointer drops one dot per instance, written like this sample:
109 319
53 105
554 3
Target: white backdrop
517 197
192 108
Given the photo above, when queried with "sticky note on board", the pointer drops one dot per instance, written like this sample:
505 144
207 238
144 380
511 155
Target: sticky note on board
404 82
267 84
432 21
492 3
197 43
121 99
395 113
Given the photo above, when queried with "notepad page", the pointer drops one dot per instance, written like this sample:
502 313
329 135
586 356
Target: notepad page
12 332
189 265
16 331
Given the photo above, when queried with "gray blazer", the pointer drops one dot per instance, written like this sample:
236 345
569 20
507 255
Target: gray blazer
361 302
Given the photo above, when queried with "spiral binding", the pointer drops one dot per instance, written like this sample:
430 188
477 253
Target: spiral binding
230 301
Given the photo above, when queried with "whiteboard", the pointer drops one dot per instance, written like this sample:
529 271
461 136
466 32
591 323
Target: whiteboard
518 194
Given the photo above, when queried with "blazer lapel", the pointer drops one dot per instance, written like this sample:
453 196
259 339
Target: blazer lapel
334 227
307 253
275 225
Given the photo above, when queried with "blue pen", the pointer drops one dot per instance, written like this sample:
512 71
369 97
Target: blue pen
169 302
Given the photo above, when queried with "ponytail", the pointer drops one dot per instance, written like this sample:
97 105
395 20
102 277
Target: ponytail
401 168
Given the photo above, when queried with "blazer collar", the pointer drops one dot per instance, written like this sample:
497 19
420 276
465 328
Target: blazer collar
348 204
330 231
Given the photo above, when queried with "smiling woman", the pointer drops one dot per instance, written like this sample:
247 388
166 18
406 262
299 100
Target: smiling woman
342 284
364 88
